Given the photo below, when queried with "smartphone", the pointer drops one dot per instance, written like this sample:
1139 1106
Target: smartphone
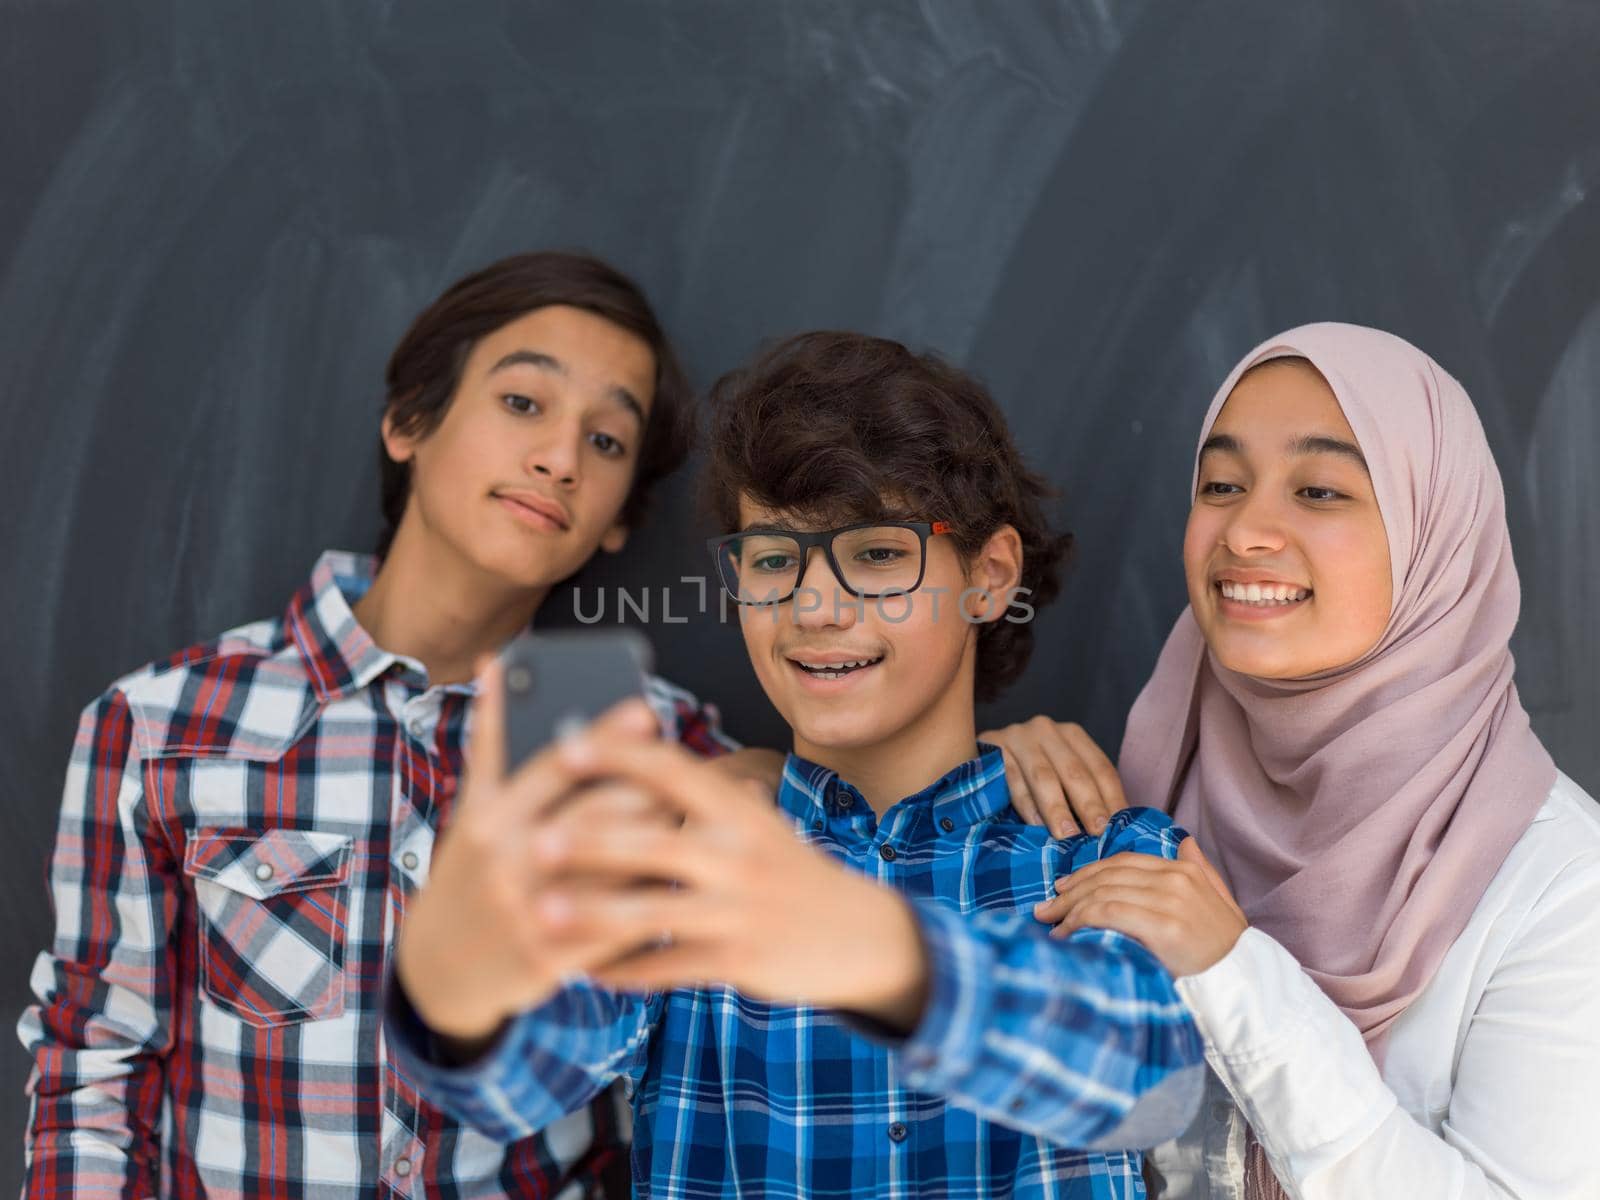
562 680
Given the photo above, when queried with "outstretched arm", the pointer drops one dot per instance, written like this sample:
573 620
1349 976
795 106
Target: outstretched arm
1061 1038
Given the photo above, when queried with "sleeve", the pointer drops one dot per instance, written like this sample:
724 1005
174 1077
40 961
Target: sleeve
1083 1041
685 719
99 1032
1526 1092
548 1062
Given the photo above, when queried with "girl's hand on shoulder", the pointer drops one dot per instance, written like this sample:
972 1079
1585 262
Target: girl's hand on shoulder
1179 909
1057 775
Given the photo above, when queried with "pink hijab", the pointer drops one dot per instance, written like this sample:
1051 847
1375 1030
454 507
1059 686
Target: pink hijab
1359 814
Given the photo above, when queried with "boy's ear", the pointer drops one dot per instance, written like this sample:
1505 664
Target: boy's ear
615 538
997 570
401 447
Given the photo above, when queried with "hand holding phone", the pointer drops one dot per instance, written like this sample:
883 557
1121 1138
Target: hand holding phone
467 954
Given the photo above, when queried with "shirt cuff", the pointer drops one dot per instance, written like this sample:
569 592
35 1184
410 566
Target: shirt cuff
422 1048
1251 1002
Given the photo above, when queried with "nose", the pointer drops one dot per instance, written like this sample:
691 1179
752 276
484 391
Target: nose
819 600
1255 525
556 454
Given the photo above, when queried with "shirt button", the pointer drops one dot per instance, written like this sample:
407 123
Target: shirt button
448 785
1219 1112
886 852
409 860
402 1167
1018 1104
817 825
263 872
897 1132
946 824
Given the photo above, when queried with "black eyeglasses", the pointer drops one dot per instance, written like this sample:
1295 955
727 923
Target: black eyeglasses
871 559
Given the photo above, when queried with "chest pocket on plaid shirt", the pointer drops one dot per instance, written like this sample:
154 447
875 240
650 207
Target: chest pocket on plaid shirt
273 905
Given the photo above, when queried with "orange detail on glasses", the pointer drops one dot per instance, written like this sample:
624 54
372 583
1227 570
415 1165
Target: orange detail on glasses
941 527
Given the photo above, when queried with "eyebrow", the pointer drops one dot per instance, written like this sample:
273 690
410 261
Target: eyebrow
1306 443
1318 443
769 527
548 362
1220 443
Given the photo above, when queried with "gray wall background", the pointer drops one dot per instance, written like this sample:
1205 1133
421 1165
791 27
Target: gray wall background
216 218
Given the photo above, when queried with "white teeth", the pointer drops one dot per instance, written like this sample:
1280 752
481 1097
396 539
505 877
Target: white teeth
1267 594
833 670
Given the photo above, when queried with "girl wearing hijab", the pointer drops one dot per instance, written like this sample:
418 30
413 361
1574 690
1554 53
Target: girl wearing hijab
1399 979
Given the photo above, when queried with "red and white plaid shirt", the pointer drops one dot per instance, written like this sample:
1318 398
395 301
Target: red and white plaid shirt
242 828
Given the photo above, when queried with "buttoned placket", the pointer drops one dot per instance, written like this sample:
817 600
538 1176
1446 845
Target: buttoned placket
839 810
420 789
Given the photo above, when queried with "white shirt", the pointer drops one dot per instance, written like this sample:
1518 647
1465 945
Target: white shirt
1491 1082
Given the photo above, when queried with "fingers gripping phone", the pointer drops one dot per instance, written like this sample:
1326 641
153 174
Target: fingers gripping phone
562 680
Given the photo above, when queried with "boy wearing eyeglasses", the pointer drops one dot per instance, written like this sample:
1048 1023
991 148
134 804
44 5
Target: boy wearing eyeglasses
867 1008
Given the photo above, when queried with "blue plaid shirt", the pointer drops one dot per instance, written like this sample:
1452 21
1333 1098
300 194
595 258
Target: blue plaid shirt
1030 1048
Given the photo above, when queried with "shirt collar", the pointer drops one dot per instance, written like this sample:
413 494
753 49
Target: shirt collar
966 795
340 656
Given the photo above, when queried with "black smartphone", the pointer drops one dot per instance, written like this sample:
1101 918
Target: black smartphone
564 679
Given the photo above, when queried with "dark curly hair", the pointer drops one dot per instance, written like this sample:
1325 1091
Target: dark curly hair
425 368
841 427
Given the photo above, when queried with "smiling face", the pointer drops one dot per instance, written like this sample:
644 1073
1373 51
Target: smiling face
525 476
1285 553
854 675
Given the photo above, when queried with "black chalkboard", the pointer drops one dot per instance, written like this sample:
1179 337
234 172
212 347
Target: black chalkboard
216 218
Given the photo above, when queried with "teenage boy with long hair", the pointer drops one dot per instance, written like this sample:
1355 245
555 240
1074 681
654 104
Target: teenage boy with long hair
245 823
